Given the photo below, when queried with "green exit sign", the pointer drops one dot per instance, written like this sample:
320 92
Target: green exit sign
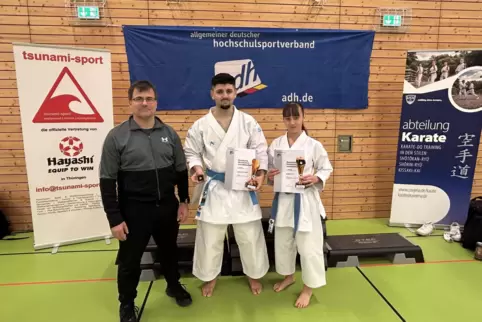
88 12
392 20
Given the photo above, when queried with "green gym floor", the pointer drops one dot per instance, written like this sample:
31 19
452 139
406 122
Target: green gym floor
78 284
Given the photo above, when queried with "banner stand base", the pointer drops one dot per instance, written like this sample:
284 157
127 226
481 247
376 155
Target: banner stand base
55 246
436 226
55 249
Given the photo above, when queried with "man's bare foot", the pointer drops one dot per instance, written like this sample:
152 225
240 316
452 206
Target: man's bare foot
255 286
208 288
288 280
304 298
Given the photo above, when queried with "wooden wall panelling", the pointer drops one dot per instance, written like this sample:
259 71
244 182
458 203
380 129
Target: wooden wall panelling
361 185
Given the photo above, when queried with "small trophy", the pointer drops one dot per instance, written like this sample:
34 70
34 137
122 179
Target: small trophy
252 183
300 164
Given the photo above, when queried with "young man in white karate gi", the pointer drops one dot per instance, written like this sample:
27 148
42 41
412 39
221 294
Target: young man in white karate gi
298 217
445 71
463 89
472 90
433 72
206 144
419 74
461 66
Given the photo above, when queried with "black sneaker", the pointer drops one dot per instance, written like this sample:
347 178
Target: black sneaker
178 291
128 313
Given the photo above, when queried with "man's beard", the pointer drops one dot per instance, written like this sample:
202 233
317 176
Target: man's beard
225 106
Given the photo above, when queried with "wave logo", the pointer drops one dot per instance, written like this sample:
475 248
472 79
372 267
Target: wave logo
244 72
66 102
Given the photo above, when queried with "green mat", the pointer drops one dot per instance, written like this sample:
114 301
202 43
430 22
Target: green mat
435 292
25 246
437 249
347 297
80 302
434 248
59 267
78 284
364 226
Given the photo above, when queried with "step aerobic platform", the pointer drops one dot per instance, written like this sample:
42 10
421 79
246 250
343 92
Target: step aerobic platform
346 250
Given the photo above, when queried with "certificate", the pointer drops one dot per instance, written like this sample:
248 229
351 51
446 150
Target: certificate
241 166
291 164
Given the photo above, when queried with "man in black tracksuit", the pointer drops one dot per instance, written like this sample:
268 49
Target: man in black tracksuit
142 162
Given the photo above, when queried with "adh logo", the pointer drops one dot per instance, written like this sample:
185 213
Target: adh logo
71 146
56 106
244 72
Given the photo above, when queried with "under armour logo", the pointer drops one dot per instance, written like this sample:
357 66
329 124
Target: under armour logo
164 140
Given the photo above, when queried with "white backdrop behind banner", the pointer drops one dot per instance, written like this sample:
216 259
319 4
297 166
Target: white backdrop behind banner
66 108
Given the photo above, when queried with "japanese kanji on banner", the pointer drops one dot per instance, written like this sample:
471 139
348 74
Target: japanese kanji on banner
66 109
440 130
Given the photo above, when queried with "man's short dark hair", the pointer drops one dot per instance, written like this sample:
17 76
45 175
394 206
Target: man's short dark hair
141 86
223 78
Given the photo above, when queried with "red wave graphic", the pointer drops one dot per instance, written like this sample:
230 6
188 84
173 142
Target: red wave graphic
60 104
56 109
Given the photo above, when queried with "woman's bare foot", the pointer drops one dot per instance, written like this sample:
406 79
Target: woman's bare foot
208 288
255 286
304 298
278 287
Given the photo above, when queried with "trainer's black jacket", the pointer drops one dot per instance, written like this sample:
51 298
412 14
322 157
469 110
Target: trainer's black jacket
144 164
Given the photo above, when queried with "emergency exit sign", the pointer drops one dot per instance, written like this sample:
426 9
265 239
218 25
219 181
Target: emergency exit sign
392 20
88 12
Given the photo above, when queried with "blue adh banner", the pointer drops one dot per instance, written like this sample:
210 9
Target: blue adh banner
440 130
319 68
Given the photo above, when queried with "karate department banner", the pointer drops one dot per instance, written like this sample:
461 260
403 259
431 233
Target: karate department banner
66 111
319 68
439 136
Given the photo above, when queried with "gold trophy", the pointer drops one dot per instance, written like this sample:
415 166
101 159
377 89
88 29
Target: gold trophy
252 183
300 164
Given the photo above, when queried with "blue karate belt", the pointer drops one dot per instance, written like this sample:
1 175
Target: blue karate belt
220 177
274 211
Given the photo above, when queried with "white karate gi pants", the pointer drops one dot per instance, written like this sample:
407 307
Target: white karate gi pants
310 247
419 80
209 249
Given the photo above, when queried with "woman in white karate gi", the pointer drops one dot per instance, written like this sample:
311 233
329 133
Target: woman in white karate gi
305 235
